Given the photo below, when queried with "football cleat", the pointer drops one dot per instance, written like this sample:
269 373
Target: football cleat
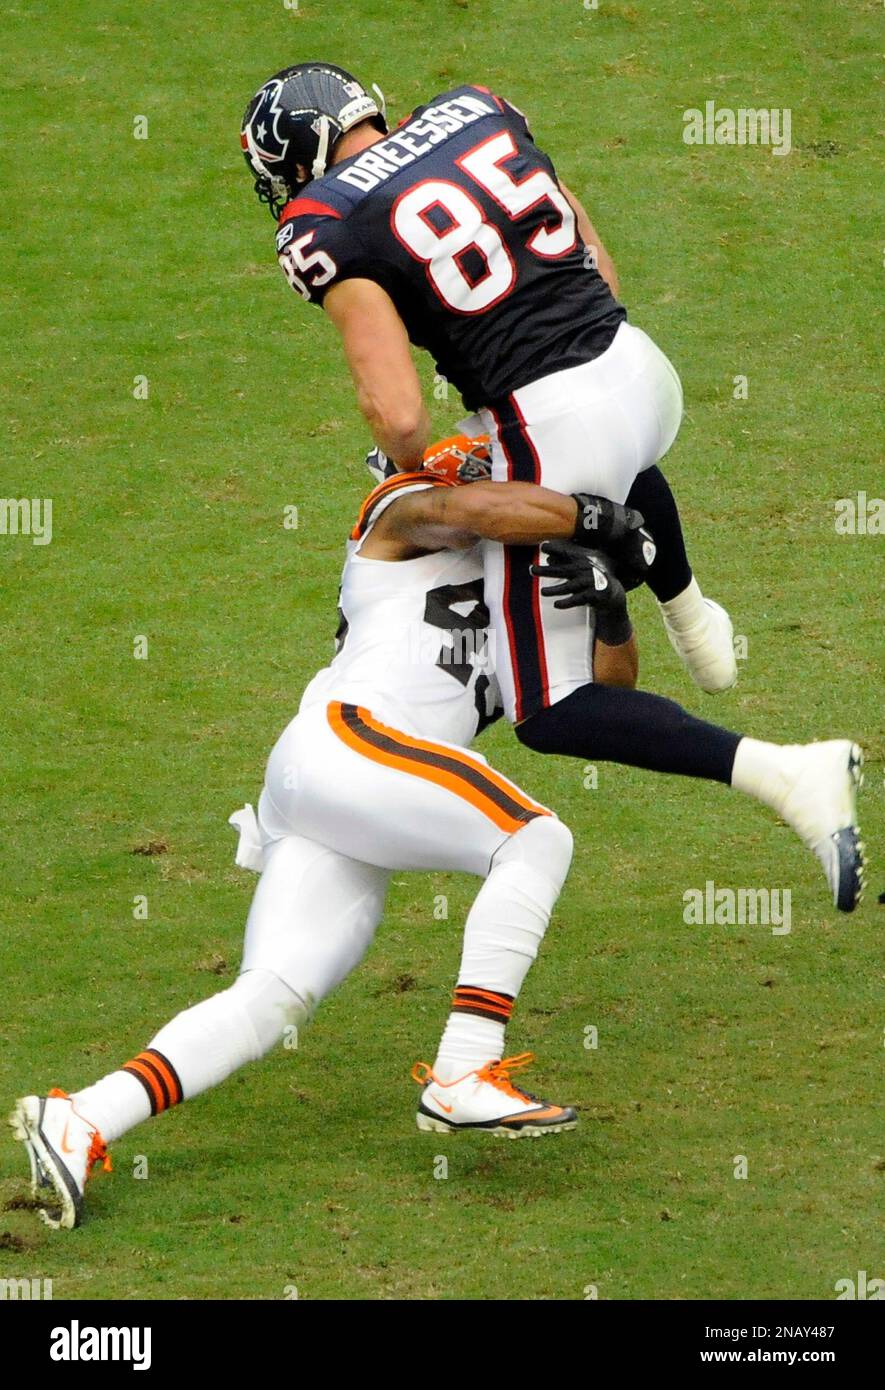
818 798
63 1147
487 1099
704 644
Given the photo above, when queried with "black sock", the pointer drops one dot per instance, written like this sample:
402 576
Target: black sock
651 495
632 727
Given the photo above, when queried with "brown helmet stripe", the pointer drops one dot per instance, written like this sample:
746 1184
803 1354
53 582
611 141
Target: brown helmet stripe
395 484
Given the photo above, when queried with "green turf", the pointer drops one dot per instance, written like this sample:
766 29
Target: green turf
130 258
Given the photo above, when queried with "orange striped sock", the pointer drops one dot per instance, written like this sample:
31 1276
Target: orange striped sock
158 1077
474 1032
485 1003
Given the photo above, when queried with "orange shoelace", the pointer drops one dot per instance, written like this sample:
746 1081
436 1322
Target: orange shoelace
98 1153
498 1074
98 1149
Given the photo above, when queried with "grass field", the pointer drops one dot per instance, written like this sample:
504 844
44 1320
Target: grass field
149 258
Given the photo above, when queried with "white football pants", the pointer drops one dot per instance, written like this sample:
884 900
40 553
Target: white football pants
590 428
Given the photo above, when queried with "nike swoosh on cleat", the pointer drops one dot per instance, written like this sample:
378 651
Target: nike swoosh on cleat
442 1105
549 1112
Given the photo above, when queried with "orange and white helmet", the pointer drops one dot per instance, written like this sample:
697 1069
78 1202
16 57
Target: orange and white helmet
460 458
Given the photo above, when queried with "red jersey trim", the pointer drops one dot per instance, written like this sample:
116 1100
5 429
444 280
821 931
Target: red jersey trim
300 207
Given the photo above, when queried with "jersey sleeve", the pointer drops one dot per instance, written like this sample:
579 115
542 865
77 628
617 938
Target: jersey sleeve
317 249
514 116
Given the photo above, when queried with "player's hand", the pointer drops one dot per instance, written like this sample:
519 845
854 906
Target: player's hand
587 577
618 531
379 465
633 557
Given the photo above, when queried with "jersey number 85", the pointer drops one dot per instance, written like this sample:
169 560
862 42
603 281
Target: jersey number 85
442 251
293 260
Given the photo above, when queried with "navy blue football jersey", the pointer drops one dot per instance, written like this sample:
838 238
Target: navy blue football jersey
459 217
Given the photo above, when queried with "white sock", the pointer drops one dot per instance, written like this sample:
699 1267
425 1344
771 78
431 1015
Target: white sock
199 1048
759 770
467 1043
115 1104
686 609
502 934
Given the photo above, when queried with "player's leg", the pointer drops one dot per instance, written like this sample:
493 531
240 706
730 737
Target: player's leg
398 800
312 917
700 631
599 427
468 1087
811 786
670 573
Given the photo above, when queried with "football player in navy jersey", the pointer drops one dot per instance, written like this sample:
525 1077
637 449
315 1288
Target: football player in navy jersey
453 233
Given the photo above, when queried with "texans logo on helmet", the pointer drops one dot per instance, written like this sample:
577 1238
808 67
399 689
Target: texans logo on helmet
264 136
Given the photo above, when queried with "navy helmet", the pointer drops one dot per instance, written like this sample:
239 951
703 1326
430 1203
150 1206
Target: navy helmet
292 125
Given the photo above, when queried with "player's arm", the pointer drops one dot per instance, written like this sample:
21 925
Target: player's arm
446 518
591 577
387 386
441 517
590 237
454 517
616 664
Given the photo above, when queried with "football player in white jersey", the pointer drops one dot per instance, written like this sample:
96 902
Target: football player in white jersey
374 774
361 782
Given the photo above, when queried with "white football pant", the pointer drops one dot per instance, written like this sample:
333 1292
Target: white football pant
590 428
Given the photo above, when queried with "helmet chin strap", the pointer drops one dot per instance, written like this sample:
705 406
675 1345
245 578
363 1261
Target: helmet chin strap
319 164
255 154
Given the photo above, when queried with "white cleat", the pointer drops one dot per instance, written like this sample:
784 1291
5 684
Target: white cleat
819 800
705 645
486 1099
62 1148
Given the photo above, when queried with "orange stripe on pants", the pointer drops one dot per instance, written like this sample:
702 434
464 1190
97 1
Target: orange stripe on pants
405 757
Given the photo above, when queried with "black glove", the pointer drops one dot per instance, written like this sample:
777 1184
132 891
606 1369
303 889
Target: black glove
617 531
379 465
588 578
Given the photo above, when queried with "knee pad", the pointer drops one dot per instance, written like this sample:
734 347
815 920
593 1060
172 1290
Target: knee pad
544 845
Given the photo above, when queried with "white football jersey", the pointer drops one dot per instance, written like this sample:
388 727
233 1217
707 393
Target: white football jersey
413 639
